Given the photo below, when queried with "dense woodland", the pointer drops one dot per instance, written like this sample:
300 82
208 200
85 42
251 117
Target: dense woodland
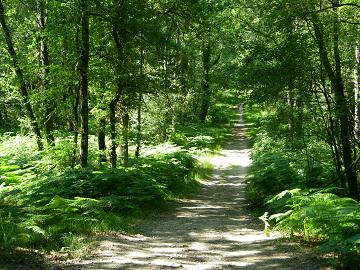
108 109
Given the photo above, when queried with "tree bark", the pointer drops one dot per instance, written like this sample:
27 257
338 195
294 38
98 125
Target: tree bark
84 103
138 127
342 109
290 106
166 85
139 106
205 95
333 140
101 140
20 76
125 135
119 92
357 88
45 62
75 125
112 120
346 127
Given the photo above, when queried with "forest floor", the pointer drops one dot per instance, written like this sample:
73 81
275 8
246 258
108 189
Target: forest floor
212 230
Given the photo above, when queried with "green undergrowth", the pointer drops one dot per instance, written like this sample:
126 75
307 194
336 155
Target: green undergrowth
210 136
287 180
198 137
61 209
322 217
46 203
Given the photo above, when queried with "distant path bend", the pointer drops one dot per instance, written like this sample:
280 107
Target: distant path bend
213 230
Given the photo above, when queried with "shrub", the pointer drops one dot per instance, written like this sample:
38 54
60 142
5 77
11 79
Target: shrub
321 216
178 179
270 173
52 208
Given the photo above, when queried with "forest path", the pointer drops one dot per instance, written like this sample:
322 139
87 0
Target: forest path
212 230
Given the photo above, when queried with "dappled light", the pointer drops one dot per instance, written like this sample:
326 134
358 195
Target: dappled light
170 134
213 230
233 158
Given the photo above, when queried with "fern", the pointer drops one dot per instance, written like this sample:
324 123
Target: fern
41 208
36 229
320 216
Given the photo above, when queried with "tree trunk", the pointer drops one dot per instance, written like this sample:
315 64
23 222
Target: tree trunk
113 104
205 95
75 125
125 136
84 65
101 140
342 109
139 106
138 127
357 88
44 62
333 140
346 127
20 77
112 120
290 106
166 85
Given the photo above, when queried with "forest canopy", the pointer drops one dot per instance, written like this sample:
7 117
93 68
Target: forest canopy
130 94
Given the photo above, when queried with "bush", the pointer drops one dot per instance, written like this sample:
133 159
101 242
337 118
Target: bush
51 209
19 150
321 216
270 173
177 180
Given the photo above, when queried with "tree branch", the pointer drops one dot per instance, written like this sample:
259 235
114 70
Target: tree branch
349 22
335 6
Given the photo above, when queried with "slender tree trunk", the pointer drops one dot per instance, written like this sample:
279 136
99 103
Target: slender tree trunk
166 118
173 119
125 135
139 106
138 127
75 125
333 138
205 95
342 109
84 103
45 62
102 132
101 140
112 121
290 106
333 141
19 74
357 88
166 85
119 92
298 117
346 127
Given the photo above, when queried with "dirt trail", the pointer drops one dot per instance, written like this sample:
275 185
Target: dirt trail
213 230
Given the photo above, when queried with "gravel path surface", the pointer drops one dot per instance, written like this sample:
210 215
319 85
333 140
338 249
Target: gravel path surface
213 230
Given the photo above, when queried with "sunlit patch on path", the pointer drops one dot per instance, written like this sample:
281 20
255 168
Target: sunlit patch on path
213 230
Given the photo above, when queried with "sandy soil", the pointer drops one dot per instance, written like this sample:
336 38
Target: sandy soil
213 230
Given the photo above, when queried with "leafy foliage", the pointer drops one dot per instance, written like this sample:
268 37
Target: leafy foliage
320 216
47 202
269 174
43 210
287 179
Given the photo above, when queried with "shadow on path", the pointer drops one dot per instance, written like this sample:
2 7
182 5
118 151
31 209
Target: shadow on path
211 231
24 260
